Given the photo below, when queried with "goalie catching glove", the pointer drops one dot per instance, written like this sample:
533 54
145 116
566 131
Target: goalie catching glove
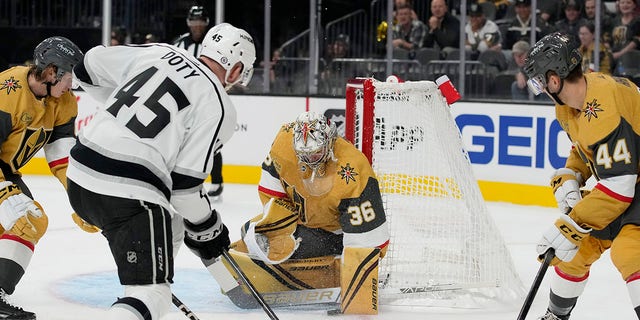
207 239
566 188
565 237
20 215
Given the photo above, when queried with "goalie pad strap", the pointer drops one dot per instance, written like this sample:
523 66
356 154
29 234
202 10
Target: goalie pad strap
359 280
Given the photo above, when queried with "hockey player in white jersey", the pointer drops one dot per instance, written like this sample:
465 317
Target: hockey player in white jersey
198 22
145 155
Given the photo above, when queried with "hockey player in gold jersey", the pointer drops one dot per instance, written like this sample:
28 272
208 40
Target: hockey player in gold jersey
601 117
323 224
37 111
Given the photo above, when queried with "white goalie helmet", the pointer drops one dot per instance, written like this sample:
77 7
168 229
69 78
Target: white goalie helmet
229 45
313 138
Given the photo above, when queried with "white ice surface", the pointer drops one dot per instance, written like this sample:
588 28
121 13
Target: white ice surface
72 274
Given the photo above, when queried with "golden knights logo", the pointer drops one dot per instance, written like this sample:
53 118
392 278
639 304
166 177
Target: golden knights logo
591 109
10 84
32 140
347 173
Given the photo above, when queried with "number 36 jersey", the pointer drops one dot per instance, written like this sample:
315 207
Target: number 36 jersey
165 115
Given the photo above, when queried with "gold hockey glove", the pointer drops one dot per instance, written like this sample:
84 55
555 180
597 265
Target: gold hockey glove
85 226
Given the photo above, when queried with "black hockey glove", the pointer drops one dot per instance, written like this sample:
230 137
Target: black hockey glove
207 239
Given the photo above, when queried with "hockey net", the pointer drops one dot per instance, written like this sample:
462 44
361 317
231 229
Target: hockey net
445 249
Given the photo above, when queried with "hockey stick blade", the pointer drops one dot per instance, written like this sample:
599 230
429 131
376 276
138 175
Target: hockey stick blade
232 262
548 256
183 307
446 287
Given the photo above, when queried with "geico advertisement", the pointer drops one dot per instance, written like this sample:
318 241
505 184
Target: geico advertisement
505 142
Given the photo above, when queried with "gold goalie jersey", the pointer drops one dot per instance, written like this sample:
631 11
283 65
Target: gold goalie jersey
352 206
606 144
28 124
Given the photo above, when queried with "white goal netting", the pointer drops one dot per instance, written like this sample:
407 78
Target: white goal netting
445 249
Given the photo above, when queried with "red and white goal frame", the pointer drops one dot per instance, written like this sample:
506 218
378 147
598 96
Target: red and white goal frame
445 249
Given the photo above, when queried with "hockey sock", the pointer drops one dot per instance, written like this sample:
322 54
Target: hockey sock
633 286
565 290
129 308
15 255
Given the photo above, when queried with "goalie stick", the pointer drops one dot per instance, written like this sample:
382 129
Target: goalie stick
183 307
548 256
430 288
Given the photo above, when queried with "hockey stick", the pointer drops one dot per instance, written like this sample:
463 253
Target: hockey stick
249 285
548 256
183 307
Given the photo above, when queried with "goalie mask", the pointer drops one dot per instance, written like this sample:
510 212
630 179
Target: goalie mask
229 45
59 52
313 140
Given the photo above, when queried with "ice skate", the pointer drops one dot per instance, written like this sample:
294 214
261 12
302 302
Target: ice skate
11 312
550 316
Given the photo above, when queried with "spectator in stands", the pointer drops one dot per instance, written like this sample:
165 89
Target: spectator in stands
625 33
382 27
572 20
482 33
587 45
118 36
334 73
605 18
550 10
501 7
443 28
519 88
275 57
519 27
408 33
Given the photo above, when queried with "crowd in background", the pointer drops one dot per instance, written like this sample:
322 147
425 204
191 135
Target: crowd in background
497 34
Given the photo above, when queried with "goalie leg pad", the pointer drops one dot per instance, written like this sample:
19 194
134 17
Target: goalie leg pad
293 274
31 227
359 280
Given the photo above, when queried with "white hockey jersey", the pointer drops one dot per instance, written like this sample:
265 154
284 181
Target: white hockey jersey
165 115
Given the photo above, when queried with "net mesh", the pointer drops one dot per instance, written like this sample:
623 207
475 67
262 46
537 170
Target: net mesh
445 249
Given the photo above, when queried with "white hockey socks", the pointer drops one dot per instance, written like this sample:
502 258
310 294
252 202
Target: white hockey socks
565 290
142 302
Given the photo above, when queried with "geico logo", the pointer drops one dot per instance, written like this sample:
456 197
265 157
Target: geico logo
513 140
389 136
308 268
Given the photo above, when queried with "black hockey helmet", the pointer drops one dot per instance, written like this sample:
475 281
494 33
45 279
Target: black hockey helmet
198 13
555 52
58 51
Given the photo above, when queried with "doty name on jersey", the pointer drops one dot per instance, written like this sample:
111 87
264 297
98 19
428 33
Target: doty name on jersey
181 64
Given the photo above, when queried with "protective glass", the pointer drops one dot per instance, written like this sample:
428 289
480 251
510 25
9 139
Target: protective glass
537 84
